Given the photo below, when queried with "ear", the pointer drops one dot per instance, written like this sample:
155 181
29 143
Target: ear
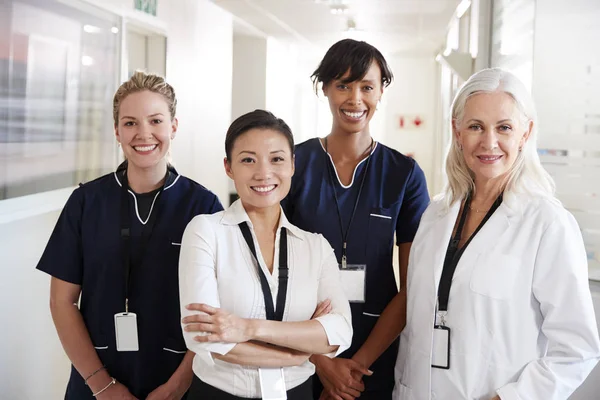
117 134
527 133
227 166
326 89
456 132
174 126
293 164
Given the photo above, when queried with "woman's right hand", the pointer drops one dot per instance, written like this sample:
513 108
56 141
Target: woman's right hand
323 308
339 377
118 391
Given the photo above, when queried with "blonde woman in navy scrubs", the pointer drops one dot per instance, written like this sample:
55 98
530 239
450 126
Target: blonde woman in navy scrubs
113 257
359 194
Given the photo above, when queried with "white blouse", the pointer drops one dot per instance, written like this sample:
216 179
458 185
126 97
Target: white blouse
216 267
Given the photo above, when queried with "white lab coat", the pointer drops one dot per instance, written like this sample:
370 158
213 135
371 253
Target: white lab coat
520 308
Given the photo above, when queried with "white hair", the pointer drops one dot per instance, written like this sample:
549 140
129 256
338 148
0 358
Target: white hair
526 175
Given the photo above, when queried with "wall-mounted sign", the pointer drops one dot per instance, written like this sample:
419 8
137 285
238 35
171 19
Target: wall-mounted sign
410 121
147 6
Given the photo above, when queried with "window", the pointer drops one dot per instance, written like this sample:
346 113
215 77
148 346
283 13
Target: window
59 68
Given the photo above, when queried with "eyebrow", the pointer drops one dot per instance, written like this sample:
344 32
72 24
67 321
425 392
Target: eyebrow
481 122
254 153
369 81
149 116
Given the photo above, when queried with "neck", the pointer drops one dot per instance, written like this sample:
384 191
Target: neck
144 180
344 146
486 191
265 219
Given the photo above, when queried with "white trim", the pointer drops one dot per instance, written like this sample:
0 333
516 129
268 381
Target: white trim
380 216
137 212
175 351
175 181
176 244
117 179
168 187
23 207
101 348
355 168
371 315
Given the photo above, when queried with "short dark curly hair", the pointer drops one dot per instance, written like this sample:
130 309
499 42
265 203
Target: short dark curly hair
354 56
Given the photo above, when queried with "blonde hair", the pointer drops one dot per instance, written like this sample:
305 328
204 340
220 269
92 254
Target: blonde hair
141 81
526 175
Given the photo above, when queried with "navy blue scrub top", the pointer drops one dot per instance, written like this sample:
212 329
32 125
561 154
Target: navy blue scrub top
85 249
393 199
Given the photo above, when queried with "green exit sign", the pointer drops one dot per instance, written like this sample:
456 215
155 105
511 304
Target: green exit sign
147 6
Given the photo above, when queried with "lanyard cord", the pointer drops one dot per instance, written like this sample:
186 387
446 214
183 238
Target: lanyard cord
337 203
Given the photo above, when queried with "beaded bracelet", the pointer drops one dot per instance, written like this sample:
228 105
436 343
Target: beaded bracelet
112 382
94 373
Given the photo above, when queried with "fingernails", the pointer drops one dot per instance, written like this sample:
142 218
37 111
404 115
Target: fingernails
370 372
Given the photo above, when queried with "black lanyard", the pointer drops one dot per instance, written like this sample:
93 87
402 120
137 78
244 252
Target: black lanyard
126 232
453 254
272 315
337 203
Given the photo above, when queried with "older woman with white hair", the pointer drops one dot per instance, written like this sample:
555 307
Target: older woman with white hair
498 301
499 305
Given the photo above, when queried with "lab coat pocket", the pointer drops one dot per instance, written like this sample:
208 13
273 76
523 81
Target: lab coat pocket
494 275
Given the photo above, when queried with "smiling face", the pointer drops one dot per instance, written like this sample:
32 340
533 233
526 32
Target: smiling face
491 133
261 167
145 129
353 104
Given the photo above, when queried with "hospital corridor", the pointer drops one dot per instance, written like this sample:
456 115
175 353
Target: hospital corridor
300 199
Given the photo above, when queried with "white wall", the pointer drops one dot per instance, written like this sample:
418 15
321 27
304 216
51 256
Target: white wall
289 89
199 57
412 93
29 347
249 74
199 65
566 90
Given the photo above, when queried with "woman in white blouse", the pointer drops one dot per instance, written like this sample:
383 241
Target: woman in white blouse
250 342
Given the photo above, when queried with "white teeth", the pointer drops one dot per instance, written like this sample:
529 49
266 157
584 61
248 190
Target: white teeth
263 189
489 158
355 115
145 148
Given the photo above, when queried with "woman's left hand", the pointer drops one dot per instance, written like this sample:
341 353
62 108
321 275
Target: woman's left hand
218 324
169 391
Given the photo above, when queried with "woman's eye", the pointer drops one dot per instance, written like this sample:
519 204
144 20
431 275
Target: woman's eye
505 128
278 159
475 127
247 160
129 123
368 88
342 86
156 121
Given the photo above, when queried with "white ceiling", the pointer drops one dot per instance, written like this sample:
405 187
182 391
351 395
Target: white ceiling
395 26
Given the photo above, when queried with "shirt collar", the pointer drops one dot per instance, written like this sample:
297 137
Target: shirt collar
236 214
172 175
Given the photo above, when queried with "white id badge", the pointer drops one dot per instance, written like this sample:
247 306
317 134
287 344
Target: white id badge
353 281
272 384
126 332
440 355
